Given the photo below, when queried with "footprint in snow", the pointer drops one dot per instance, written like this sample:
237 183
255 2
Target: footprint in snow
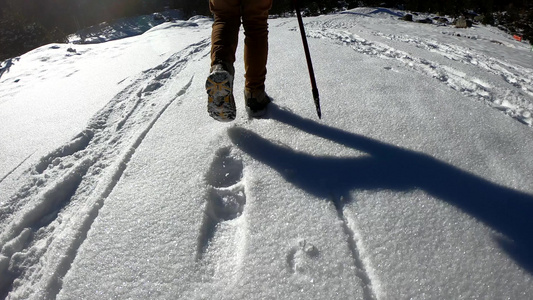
225 199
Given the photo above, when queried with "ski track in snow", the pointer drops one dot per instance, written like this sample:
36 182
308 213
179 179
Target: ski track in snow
16 167
520 78
516 102
37 244
352 240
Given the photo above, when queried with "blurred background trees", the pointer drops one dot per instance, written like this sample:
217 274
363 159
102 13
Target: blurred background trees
27 24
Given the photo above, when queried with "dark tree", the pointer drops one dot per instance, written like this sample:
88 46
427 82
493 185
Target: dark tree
26 24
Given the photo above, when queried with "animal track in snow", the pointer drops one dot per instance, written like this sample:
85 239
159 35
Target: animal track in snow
300 256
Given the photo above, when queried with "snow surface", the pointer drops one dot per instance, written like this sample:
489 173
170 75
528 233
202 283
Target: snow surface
416 184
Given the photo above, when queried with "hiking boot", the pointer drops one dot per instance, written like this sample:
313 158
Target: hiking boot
220 101
256 102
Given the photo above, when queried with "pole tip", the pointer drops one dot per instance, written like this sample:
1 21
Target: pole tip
318 110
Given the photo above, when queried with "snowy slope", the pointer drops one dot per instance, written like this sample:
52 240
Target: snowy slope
417 183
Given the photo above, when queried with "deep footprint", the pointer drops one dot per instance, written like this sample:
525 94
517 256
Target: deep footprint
225 170
225 199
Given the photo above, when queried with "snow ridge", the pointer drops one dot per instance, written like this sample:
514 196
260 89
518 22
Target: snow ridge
75 180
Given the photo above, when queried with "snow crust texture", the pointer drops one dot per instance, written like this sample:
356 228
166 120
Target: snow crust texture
416 184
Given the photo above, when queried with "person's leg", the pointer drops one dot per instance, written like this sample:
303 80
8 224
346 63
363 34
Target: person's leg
225 32
224 40
255 23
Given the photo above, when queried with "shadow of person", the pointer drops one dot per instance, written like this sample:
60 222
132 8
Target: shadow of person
388 167
7 64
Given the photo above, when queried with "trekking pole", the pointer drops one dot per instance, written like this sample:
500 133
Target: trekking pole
308 57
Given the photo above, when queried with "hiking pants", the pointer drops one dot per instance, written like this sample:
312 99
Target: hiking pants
225 37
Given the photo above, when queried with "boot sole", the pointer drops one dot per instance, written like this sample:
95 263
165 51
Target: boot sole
220 100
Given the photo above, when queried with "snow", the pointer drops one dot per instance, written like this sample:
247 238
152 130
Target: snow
417 182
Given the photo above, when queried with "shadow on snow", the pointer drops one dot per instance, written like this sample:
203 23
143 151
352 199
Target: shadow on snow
388 167
6 65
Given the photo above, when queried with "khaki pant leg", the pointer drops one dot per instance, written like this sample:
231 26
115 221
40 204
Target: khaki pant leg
255 23
225 32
